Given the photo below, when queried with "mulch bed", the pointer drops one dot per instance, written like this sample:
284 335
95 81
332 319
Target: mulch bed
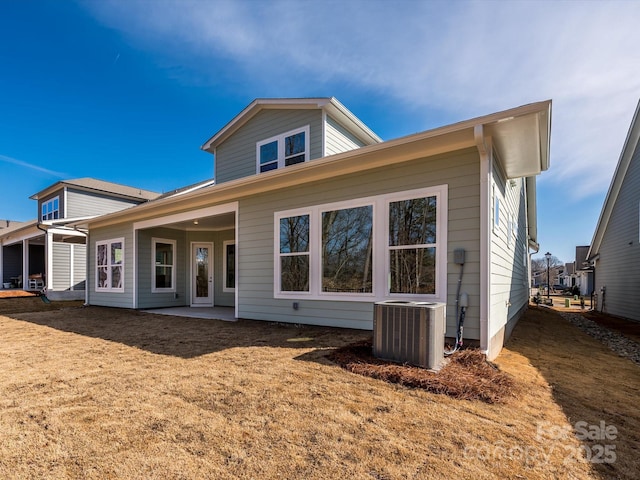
468 375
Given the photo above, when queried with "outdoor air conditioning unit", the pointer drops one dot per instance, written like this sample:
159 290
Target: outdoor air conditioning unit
410 332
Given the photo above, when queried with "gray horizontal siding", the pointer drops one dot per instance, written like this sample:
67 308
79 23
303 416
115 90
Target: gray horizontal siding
147 298
618 268
112 299
81 203
339 139
236 157
509 290
460 171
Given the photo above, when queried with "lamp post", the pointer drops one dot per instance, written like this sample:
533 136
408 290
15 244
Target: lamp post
548 257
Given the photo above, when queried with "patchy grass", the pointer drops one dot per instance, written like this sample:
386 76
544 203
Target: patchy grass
589 382
109 393
467 375
31 303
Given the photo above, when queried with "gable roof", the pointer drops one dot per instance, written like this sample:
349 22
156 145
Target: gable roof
527 126
92 184
329 104
630 145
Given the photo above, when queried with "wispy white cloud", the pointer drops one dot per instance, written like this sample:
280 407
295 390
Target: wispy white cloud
464 58
31 166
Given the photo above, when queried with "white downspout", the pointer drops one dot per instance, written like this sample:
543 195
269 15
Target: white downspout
484 149
87 264
48 256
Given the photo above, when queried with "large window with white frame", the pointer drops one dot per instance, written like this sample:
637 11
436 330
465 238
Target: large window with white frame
413 245
390 245
283 150
110 265
163 270
229 265
51 209
293 253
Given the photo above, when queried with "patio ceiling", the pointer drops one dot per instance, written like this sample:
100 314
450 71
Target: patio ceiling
224 221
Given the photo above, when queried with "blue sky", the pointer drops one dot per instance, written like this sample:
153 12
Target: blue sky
127 91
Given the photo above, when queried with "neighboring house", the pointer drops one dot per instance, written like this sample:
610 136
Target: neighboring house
566 277
50 253
313 219
583 271
615 248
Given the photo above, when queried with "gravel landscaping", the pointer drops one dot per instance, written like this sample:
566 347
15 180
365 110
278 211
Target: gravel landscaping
620 344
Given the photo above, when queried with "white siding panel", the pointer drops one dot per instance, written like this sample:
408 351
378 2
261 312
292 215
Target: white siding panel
338 139
61 274
79 266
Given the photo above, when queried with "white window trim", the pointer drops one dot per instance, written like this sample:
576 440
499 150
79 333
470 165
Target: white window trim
280 139
224 265
173 243
109 265
50 201
381 250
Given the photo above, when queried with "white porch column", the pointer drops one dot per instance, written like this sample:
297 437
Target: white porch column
71 265
48 260
25 264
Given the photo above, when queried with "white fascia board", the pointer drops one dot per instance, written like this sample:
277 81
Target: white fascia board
67 231
256 106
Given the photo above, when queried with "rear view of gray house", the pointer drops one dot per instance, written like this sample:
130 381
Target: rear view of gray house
615 248
313 219
49 252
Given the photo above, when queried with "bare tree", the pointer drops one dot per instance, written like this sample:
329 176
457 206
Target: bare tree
540 264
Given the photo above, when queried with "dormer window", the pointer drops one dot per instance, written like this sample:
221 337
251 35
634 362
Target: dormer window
283 150
51 209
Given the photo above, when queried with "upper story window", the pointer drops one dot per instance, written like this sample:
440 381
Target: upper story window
283 150
51 209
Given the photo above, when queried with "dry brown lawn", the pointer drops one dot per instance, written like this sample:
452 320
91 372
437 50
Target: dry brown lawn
108 393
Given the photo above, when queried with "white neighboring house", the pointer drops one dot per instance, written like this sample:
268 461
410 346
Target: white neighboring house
615 248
